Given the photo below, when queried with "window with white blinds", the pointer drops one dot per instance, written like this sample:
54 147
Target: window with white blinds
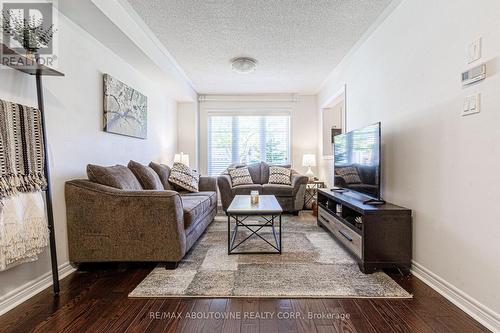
247 139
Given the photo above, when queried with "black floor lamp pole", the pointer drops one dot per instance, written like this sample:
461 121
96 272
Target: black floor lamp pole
48 191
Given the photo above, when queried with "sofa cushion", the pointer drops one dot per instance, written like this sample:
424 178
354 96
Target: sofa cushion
240 176
163 172
194 207
211 195
254 170
146 176
184 177
246 189
264 173
280 175
278 190
117 176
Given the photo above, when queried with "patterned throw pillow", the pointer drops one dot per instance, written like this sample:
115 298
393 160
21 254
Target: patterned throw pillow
240 176
226 172
280 175
350 175
232 167
184 177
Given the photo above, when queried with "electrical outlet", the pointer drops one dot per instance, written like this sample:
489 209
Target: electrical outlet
472 104
474 51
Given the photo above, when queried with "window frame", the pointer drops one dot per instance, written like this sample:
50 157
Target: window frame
235 112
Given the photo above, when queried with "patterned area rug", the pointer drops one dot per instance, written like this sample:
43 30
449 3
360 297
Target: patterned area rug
312 264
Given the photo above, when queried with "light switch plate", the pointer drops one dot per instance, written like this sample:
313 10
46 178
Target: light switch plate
472 104
465 108
474 51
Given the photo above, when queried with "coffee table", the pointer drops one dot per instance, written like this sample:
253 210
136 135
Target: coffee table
241 209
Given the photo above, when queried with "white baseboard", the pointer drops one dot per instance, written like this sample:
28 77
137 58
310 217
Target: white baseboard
469 305
30 289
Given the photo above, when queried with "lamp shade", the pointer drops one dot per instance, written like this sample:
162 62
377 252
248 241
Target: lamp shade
182 158
309 160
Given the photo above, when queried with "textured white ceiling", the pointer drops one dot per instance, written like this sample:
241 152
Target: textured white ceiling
297 43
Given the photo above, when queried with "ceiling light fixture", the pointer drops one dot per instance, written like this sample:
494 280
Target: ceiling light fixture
243 65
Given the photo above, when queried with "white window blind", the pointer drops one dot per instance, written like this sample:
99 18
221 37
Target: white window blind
247 139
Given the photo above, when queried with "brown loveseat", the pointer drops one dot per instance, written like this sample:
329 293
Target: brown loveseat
290 197
106 223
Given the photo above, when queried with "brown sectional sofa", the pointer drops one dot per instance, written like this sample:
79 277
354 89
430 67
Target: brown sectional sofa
290 197
106 223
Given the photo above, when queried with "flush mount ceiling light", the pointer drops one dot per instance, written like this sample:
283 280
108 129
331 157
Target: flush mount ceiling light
243 65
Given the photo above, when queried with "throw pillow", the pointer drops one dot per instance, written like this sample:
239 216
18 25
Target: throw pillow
232 167
184 177
163 171
240 176
264 171
146 176
280 175
117 176
350 174
226 172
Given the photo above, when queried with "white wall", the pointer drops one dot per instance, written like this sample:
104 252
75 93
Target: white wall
188 131
304 120
443 166
74 122
304 125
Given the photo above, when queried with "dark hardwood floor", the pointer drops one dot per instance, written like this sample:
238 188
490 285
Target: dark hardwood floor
95 300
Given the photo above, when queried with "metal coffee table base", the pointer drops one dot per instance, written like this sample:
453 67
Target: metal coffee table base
240 219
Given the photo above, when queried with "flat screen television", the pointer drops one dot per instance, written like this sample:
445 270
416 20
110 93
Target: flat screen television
357 161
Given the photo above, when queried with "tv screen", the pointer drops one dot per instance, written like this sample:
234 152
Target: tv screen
357 161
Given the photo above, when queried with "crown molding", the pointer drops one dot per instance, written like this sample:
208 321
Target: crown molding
149 35
257 98
119 28
382 17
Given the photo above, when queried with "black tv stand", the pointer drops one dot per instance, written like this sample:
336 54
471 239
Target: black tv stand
378 237
374 202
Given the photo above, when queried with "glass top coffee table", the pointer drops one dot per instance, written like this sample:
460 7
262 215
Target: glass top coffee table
242 209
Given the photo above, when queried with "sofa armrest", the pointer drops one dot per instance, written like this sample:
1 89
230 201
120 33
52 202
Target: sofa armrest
108 224
208 184
298 180
299 184
226 190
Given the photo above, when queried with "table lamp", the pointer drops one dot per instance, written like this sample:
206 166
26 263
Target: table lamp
309 160
182 158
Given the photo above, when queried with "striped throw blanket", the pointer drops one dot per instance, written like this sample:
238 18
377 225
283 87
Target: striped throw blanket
23 223
21 149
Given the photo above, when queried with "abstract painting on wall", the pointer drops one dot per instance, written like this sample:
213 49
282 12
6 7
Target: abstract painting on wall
125 109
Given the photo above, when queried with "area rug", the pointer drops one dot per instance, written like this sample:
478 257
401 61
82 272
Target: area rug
312 264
